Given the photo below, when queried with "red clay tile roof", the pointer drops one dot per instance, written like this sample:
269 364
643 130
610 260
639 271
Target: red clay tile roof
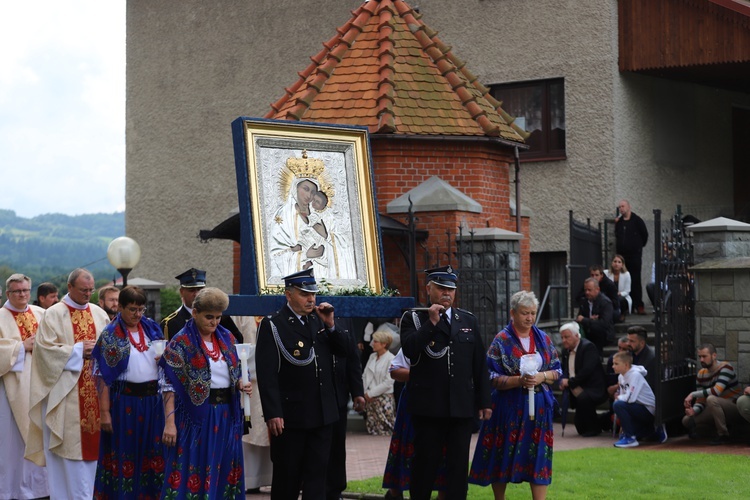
385 69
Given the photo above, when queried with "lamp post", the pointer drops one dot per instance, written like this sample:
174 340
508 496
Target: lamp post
124 253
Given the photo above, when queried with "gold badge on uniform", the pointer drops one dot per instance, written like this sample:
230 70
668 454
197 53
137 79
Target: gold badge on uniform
301 344
296 352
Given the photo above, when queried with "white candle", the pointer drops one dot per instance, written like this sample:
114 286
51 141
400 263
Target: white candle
243 351
159 346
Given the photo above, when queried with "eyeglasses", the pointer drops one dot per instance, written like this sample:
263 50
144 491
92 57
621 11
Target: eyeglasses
136 310
86 290
23 291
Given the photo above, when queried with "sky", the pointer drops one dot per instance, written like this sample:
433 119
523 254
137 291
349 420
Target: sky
62 106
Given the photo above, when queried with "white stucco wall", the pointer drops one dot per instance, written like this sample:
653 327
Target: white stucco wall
194 66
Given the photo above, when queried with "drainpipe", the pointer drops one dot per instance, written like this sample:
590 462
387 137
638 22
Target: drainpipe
518 191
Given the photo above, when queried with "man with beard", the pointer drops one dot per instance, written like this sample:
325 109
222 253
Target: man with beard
108 296
448 357
713 404
643 354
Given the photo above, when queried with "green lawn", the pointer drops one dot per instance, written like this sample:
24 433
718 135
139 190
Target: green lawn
612 473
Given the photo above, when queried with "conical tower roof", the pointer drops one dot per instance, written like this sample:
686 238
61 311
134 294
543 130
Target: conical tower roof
387 70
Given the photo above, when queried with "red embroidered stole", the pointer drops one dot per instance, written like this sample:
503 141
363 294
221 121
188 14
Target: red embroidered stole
88 399
26 322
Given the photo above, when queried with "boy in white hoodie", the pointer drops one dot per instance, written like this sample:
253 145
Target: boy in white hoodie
635 403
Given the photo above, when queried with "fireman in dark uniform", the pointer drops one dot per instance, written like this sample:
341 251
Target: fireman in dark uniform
448 385
296 380
192 281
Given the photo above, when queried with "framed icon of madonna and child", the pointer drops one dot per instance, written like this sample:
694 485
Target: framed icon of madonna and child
307 199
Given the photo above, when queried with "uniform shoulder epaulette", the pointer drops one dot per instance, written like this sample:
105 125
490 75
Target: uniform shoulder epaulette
465 311
170 317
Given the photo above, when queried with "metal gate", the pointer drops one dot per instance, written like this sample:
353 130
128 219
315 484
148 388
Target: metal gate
485 283
585 250
675 316
485 280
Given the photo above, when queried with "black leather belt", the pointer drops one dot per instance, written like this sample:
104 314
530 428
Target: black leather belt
220 396
139 390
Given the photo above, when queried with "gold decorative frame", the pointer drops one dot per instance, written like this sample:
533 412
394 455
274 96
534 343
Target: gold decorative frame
273 157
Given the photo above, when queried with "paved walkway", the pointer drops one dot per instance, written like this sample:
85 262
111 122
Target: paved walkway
366 455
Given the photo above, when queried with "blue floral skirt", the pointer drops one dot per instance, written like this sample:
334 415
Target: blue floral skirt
207 460
397 474
512 448
131 460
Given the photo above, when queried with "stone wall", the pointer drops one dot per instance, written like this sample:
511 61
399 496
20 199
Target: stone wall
723 315
722 278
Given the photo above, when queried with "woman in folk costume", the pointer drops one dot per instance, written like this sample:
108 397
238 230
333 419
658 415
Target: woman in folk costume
397 473
513 447
131 462
201 392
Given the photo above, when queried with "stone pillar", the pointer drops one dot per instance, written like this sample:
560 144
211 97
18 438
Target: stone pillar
722 279
490 260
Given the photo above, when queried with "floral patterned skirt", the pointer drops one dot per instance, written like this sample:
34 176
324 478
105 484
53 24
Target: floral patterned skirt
380 415
512 448
207 461
131 461
397 474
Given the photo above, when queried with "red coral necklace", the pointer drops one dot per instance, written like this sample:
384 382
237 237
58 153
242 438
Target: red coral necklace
139 345
214 353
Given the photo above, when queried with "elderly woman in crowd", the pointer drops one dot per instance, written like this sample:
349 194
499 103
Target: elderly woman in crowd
513 447
379 403
201 392
131 463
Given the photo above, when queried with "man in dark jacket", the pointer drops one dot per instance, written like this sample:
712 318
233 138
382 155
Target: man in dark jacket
294 360
631 236
643 354
348 373
192 281
448 385
583 375
595 315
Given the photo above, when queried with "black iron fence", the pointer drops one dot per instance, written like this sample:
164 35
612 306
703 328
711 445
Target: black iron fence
489 272
585 250
674 306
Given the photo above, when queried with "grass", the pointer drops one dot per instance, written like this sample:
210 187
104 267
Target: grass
598 473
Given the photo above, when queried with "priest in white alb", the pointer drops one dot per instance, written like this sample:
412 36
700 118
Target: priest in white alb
64 406
19 478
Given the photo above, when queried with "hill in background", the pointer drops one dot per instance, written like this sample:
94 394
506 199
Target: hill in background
47 247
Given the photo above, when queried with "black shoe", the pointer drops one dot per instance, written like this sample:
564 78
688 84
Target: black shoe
720 439
398 496
252 491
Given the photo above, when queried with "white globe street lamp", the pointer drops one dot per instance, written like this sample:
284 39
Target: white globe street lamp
124 253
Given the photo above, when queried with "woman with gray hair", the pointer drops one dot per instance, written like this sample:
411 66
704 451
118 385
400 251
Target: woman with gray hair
380 406
514 446
201 391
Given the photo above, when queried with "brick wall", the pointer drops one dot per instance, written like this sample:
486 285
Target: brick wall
479 169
